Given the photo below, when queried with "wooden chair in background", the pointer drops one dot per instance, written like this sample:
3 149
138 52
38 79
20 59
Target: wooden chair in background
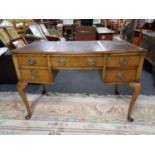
4 38
11 38
21 25
137 37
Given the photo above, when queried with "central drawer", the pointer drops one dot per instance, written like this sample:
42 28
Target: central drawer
32 60
123 60
76 61
36 75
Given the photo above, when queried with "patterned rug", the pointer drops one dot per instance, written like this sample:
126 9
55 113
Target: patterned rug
75 114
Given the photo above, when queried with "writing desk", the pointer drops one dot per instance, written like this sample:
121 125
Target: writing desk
119 62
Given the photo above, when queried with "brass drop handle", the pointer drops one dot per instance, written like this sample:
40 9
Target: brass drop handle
34 74
123 61
91 61
31 61
120 76
62 61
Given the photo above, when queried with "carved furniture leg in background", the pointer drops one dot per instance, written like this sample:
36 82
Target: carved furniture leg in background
21 89
136 87
44 89
117 89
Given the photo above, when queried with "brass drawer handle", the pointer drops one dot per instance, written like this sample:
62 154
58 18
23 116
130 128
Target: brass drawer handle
31 61
91 61
123 61
120 76
34 74
62 61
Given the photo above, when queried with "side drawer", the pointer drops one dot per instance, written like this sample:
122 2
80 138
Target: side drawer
36 75
32 60
120 75
123 60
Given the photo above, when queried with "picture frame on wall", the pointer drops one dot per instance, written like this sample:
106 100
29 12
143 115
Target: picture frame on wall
18 42
44 29
36 31
96 21
68 21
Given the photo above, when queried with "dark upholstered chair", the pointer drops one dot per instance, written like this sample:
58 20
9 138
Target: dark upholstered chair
7 69
85 33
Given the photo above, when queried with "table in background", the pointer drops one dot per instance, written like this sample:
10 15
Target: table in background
148 43
104 33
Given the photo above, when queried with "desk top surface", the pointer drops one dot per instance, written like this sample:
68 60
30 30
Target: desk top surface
104 30
73 47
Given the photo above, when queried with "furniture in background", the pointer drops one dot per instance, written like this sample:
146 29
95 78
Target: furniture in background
146 39
11 32
98 23
114 24
7 69
49 23
19 42
60 30
119 63
4 37
10 39
148 43
41 31
85 33
128 31
86 22
19 28
138 35
37 31
68 31
3 50
21 25
104 33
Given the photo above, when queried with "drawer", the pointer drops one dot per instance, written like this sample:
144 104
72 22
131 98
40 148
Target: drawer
123 60
105 36
77 61
120 75
32 60
35 75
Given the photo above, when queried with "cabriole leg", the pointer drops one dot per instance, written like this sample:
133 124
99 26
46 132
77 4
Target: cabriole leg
136 87
21 90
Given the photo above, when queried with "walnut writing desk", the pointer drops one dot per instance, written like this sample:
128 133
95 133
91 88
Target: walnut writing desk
119 62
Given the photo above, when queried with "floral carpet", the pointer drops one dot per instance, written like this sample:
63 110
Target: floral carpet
61 114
